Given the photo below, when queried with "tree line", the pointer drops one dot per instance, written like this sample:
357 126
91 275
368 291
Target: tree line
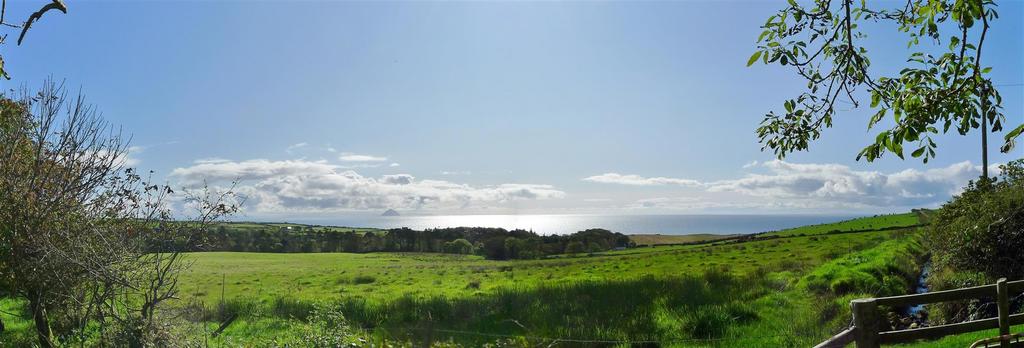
492 243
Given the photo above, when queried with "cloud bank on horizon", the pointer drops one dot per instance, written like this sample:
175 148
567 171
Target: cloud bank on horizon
808 185
319 187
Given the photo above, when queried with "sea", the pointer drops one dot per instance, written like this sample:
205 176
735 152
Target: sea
565 224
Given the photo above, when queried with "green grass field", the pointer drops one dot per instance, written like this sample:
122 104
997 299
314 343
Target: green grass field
376 283
858 224
334 275
788 291
662 239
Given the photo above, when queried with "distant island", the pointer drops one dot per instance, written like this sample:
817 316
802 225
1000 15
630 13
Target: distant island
390 212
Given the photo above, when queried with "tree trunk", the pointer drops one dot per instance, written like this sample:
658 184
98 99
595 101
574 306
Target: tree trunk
41 321
984 133
984 147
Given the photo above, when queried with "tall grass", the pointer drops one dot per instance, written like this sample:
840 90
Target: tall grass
890 268
715 307
698 306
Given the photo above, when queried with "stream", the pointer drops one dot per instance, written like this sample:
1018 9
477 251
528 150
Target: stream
922 287
916 316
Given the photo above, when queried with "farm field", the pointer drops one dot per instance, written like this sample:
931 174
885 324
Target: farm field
858 224
770 292
762 277
661 239
381 276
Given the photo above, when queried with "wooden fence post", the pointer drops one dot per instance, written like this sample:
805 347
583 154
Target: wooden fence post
1003 299
866 320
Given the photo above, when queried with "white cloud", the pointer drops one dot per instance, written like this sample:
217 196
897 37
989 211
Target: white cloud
636 180
360 165
321 187
811 186
398 179
125 158
698 204
456 172
129 158
351 157
210 160
251 170
394 164
666 202
294 147
839 183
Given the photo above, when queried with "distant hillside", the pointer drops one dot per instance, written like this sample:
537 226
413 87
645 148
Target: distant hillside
390 212
660 239
868 223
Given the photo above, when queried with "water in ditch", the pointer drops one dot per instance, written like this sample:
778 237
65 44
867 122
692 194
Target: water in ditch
922 287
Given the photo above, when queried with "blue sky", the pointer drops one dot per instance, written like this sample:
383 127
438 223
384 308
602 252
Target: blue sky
327 108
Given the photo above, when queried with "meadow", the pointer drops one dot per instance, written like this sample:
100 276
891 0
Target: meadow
382 276
868 223
665 239
791 289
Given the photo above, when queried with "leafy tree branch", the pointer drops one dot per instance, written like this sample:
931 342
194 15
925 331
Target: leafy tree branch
823 43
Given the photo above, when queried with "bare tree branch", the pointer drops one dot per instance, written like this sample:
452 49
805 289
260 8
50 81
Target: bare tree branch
55 5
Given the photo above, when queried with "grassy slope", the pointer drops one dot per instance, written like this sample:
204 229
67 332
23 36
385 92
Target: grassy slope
332 275
886 270
858 224
786 317
17 322
785 312
657 239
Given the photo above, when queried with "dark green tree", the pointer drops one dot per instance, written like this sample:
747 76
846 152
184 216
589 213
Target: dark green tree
458 246
575 247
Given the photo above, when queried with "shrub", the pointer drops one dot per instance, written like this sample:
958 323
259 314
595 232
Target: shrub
459 246
982 229
976 238
291 308
713 321
327 327
363 279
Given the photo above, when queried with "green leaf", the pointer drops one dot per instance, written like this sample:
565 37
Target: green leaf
1015 132
753 58
881 137
917 153
876 118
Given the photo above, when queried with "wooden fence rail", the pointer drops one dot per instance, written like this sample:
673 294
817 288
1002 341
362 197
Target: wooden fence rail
867 319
